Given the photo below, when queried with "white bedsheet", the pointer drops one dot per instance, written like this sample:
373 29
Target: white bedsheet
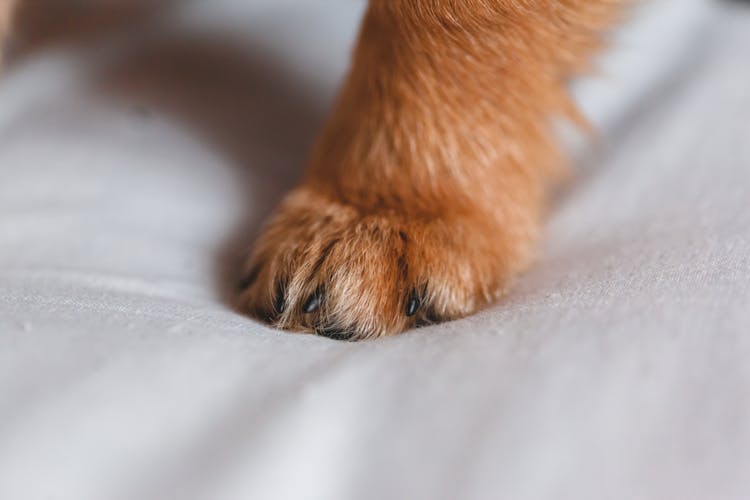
135 164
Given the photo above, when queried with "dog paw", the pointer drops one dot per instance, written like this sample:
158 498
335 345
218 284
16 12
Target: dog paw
322 266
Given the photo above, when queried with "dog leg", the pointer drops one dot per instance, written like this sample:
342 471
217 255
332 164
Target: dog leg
422 199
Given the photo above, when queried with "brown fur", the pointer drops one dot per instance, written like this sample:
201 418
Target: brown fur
428 181
423 196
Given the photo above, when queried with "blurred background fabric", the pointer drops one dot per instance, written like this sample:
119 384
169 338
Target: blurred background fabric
143 142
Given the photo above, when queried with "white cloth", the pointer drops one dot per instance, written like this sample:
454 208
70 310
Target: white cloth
135 164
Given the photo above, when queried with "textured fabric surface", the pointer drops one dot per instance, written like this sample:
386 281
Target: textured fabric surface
136 162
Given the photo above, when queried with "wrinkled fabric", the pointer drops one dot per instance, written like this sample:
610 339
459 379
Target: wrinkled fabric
136 164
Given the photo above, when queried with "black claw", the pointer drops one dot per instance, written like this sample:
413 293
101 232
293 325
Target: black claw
314 302
279 303
413 305
336 334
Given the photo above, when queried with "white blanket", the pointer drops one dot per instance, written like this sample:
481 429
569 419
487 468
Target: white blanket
136 162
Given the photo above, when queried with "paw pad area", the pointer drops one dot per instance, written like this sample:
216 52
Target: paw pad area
327 268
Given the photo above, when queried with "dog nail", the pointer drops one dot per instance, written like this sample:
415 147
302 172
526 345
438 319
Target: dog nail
313 303
413 306
279 304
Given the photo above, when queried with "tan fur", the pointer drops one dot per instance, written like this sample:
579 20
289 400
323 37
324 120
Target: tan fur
428 181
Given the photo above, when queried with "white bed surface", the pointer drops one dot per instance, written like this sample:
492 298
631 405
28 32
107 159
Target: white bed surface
134 167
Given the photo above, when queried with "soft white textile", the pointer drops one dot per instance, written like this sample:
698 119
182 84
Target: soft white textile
135 163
